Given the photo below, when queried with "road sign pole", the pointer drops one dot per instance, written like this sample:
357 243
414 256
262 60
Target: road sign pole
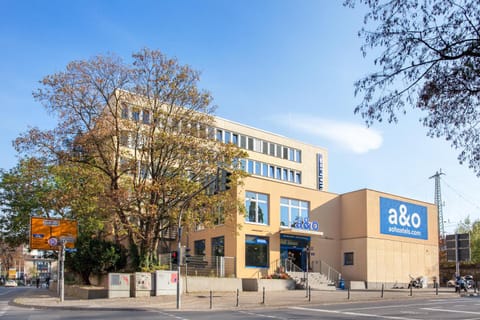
457 263
61 264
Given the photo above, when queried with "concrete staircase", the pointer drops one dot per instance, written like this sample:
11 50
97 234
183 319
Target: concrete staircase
316 280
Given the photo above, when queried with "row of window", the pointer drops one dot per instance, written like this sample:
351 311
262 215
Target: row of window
135 113
259 145
256 249
138 114
217 245
292 211
271 171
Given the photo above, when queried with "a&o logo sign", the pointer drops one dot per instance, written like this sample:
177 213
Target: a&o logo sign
403 219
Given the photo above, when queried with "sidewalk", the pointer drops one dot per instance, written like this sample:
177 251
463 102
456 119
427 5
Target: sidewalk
205 301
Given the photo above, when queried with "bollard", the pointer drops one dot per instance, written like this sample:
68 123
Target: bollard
309 293
381 296
411 291
348 296
436 288
237 297
211 299
263 299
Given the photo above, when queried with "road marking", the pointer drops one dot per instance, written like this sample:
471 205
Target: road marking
356 314
261 315
452 311
171 315
394 306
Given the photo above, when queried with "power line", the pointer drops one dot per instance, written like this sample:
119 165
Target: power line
461 196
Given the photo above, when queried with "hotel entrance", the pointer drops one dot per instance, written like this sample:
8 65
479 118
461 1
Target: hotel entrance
294 252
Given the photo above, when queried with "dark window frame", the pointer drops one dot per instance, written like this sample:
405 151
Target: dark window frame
348 258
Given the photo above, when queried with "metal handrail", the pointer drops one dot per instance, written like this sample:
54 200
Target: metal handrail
331 273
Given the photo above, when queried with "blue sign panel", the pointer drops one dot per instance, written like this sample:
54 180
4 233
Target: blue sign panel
403 219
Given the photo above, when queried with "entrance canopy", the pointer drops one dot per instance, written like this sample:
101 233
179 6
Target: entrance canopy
300 232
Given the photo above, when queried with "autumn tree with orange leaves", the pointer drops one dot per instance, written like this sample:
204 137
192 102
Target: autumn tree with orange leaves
145 128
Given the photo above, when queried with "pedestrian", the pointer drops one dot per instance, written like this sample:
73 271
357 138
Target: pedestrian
38 282
47 282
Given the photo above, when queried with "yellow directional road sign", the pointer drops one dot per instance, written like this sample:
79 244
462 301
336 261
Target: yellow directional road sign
48 234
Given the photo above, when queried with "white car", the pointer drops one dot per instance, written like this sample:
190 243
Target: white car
10 283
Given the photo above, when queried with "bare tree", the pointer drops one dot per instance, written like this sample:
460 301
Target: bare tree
430 61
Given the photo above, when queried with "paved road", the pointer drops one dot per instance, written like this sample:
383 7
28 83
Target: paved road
426 306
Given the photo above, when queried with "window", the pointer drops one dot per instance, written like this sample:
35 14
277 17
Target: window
243 164
291 154
243 142
199 248
256 205
136 115
285 153
298 177
235 139
258 168
265 147
211 133
218 246
256 251
250 143
219 216
348 258
258 145
124 111
124 139
228 136
298 156
264 169
271 173
146 117
278 174
219 135
272 149
293 211
250 166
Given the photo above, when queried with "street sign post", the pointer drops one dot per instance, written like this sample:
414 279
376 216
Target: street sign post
458 249
54 234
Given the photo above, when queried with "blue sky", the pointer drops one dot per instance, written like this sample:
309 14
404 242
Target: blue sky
285 66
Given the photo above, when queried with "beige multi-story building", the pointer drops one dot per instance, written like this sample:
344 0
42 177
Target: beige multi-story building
291 219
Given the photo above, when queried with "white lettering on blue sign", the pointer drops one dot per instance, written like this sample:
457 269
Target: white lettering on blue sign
403 219
305 224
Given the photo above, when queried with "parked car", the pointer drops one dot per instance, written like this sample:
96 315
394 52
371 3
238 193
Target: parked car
451 283
10 283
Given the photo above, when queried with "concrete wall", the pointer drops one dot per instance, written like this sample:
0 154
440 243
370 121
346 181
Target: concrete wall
203 284
385 258
268 284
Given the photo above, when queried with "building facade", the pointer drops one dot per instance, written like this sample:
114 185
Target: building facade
291 219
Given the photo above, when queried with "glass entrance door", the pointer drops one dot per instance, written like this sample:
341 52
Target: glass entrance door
293 252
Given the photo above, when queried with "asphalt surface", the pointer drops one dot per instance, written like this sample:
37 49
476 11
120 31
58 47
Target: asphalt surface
43 298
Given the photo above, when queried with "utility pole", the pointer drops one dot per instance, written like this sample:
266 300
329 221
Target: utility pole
438 202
